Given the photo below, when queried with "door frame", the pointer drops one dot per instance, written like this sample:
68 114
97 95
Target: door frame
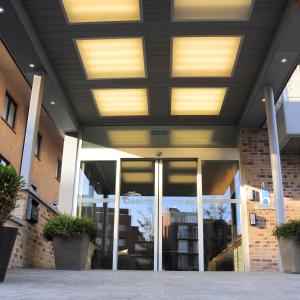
199 154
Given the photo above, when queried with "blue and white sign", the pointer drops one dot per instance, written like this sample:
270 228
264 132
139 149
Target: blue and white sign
265 198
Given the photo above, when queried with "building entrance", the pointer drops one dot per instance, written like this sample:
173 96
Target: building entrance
163 214
159 197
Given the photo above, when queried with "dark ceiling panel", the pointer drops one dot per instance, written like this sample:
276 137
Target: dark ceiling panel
57 38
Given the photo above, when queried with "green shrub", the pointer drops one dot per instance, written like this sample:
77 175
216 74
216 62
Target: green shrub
289 230
66 226
10 185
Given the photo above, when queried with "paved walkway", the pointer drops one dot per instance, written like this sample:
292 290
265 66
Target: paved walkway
33 284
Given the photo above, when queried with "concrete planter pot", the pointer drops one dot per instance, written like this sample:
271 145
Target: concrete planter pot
71 254
290 254
7 240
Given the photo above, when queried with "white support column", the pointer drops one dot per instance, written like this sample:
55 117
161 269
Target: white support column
274 154
32 127
69 176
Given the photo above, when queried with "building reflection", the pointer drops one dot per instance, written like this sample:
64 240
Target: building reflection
222 244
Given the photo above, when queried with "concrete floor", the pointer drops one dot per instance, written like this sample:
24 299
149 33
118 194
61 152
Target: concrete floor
36 284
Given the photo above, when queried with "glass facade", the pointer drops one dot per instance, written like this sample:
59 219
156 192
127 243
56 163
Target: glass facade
96 199
179 215
136 216
158 224
222 216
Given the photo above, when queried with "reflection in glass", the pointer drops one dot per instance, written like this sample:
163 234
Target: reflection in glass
136 224
96 200
179 219
221 216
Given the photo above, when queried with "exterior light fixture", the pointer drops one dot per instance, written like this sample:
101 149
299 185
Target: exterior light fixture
284 60
121 102
191 138
110 58
137 164
182 178
197 101
129 138
93 11
204 56
137 177
52 102
2 10
183 165
263 100
206 10
32 66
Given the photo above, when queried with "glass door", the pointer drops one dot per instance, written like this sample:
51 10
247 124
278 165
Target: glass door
137 212
158 215
179 215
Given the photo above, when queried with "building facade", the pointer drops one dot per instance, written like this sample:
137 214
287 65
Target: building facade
174 127
30 248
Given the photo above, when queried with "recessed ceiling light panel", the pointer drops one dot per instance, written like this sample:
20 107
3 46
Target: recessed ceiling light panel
121 102
137 177
191 138
129 138
92 11
203 56
112 58
215 10
197 101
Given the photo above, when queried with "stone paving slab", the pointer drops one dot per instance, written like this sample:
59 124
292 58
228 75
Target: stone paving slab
37 284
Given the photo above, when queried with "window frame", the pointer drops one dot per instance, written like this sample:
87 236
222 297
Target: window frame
3 159
5 114
58 169
38 146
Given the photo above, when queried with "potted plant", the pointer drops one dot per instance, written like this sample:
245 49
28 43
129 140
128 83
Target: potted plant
10 185
288 236
70 237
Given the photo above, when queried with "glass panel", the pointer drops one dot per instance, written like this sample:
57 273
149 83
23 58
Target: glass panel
5 108
221 216
136 227
11 115
179 216
96 199
293 86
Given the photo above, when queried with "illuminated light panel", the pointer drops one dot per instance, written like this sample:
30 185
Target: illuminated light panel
189 10
121 102
129 138
112 58
90 11
203 56
182 165
137 164
197 101
182 178
137 177
185 137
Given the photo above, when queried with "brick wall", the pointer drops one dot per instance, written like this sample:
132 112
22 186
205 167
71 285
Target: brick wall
256 168
31 250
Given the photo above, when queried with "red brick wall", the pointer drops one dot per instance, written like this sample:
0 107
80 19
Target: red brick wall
31 249
256 168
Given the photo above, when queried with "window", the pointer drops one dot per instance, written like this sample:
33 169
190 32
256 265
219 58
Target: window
3 161
122 243
183 262
122 227
9 111
183 246
37 149
58 169
183 232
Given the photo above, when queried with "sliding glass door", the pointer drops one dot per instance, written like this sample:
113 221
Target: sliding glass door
163 214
